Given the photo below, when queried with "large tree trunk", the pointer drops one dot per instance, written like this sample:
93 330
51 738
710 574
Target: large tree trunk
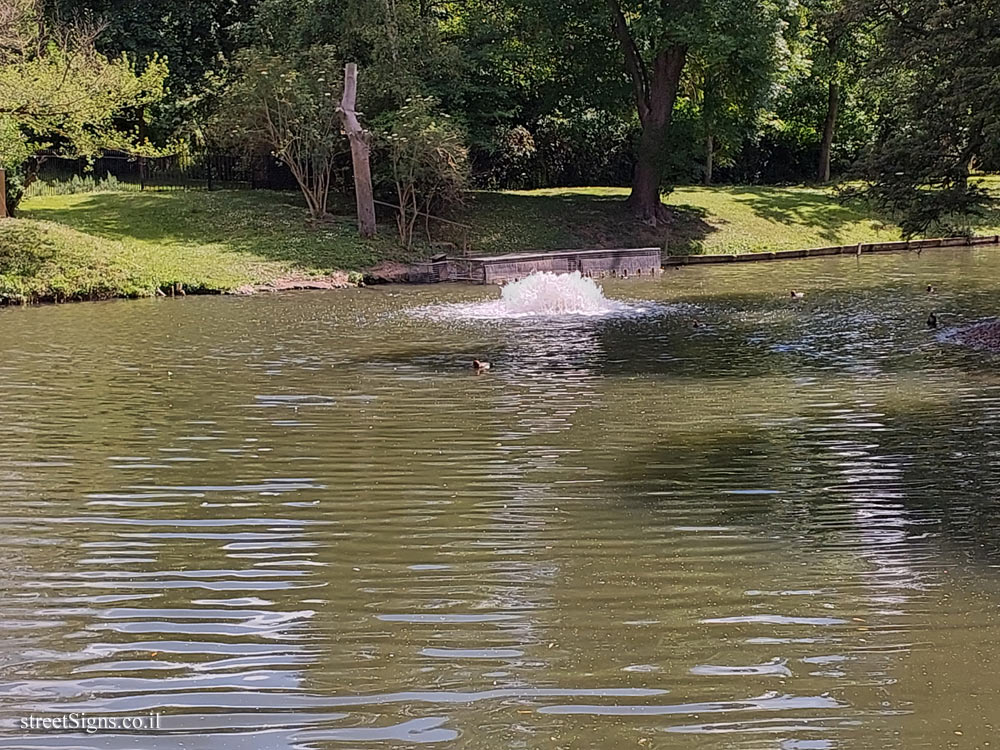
645 197
829 125
655 118
360 150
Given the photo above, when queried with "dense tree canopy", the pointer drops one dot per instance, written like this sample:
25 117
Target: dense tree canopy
939 115
197 39
553 92
59 94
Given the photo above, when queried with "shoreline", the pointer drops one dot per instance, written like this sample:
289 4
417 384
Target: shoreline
336 280
416 273
108 245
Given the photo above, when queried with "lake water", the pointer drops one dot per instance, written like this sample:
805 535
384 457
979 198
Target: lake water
301 521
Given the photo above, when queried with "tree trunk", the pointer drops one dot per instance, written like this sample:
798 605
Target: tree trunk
3 193
655 118
360 150
709 158
645 197
828 129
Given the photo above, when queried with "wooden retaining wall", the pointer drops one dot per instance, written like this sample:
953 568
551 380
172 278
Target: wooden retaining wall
815 252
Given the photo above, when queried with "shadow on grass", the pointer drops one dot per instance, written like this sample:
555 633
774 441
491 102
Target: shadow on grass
271 225
274 226
986 221
566 219
805 206
989 221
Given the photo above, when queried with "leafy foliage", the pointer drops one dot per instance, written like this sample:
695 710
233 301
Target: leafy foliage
289 105
198 39
57 93
567 148
549 93
939 113
732 73
77 184
429 165
398 45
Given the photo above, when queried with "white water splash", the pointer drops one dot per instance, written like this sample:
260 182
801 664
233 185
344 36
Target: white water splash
542 294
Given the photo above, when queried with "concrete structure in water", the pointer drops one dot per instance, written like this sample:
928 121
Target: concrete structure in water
501 269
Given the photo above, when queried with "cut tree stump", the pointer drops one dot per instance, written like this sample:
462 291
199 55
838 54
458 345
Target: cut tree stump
360 141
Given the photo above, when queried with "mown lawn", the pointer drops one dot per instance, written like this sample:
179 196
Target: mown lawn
707 220
129 244
716 219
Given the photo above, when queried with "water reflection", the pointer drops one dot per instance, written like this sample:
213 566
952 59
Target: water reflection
309 524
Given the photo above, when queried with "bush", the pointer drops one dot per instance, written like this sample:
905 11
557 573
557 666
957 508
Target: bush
14 152
429 164
579 147
587 147
76 185
290 106
511 159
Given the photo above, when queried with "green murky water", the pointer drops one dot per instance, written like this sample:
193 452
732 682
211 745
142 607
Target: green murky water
301 522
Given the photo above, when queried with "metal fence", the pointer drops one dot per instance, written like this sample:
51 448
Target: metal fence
187 171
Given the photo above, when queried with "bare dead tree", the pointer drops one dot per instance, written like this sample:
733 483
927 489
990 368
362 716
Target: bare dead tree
360 140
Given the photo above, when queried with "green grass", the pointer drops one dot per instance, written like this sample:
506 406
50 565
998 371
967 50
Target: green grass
755 219
215 241
96 245
44 260
707 220
717 219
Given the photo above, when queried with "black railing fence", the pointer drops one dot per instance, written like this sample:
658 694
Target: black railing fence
185 171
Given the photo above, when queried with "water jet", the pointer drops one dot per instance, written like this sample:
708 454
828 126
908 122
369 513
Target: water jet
543 294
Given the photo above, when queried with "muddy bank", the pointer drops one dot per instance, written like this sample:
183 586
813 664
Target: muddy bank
395 272
335 280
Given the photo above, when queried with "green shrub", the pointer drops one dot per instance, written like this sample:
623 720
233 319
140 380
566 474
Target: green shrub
77 185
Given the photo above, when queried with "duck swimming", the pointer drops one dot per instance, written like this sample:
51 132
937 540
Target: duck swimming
932 321
797 295
480 366
930 289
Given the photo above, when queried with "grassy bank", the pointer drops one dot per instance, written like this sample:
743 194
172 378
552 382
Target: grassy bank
64 246
130 244
706 220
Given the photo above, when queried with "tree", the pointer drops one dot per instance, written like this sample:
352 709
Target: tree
730 77
360 140
655 77
839 36
198 40
58 94
940 112
598 45
429 164
736 43
289 105
397 43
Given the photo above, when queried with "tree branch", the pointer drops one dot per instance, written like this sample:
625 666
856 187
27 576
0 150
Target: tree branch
633 61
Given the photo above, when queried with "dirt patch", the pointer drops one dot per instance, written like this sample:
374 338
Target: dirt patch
985 335
393 272
336 280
